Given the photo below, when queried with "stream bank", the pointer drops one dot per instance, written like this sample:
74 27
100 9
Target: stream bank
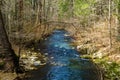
64 62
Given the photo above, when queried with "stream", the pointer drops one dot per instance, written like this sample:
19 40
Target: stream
64 62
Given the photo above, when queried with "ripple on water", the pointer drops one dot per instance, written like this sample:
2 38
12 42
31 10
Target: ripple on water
64 60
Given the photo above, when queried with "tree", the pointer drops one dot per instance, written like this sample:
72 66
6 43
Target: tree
7 55
118 28
109 25
19 17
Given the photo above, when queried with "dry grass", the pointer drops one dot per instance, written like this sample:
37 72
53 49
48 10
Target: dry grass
97 37
7 76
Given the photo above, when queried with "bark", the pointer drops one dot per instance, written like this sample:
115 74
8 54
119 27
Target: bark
7 55
109 25
71 8
118 28
19 19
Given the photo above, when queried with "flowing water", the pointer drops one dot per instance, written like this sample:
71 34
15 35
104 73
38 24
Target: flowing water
64 62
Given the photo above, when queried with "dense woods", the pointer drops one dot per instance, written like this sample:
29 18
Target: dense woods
94 25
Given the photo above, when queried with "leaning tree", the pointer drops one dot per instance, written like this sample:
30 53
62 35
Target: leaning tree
8 57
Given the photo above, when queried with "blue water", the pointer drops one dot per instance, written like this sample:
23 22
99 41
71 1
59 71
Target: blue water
64 59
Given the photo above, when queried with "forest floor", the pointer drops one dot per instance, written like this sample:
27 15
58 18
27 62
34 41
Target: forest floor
11 76
7 76
95 41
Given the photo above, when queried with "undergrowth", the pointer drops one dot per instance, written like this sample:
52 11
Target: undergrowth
111 70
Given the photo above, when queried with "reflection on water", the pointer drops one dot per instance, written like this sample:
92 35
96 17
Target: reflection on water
64 60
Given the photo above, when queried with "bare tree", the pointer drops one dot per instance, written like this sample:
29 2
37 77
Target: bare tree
118 28
109 24
7 55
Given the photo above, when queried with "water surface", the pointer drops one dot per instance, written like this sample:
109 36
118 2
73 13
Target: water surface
64 62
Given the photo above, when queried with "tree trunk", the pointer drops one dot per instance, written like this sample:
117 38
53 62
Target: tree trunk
109 25
71 8
19 21
7 55
118 28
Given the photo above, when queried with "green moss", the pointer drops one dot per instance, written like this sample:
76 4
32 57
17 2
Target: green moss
111 70
2 64
86 56
2 55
